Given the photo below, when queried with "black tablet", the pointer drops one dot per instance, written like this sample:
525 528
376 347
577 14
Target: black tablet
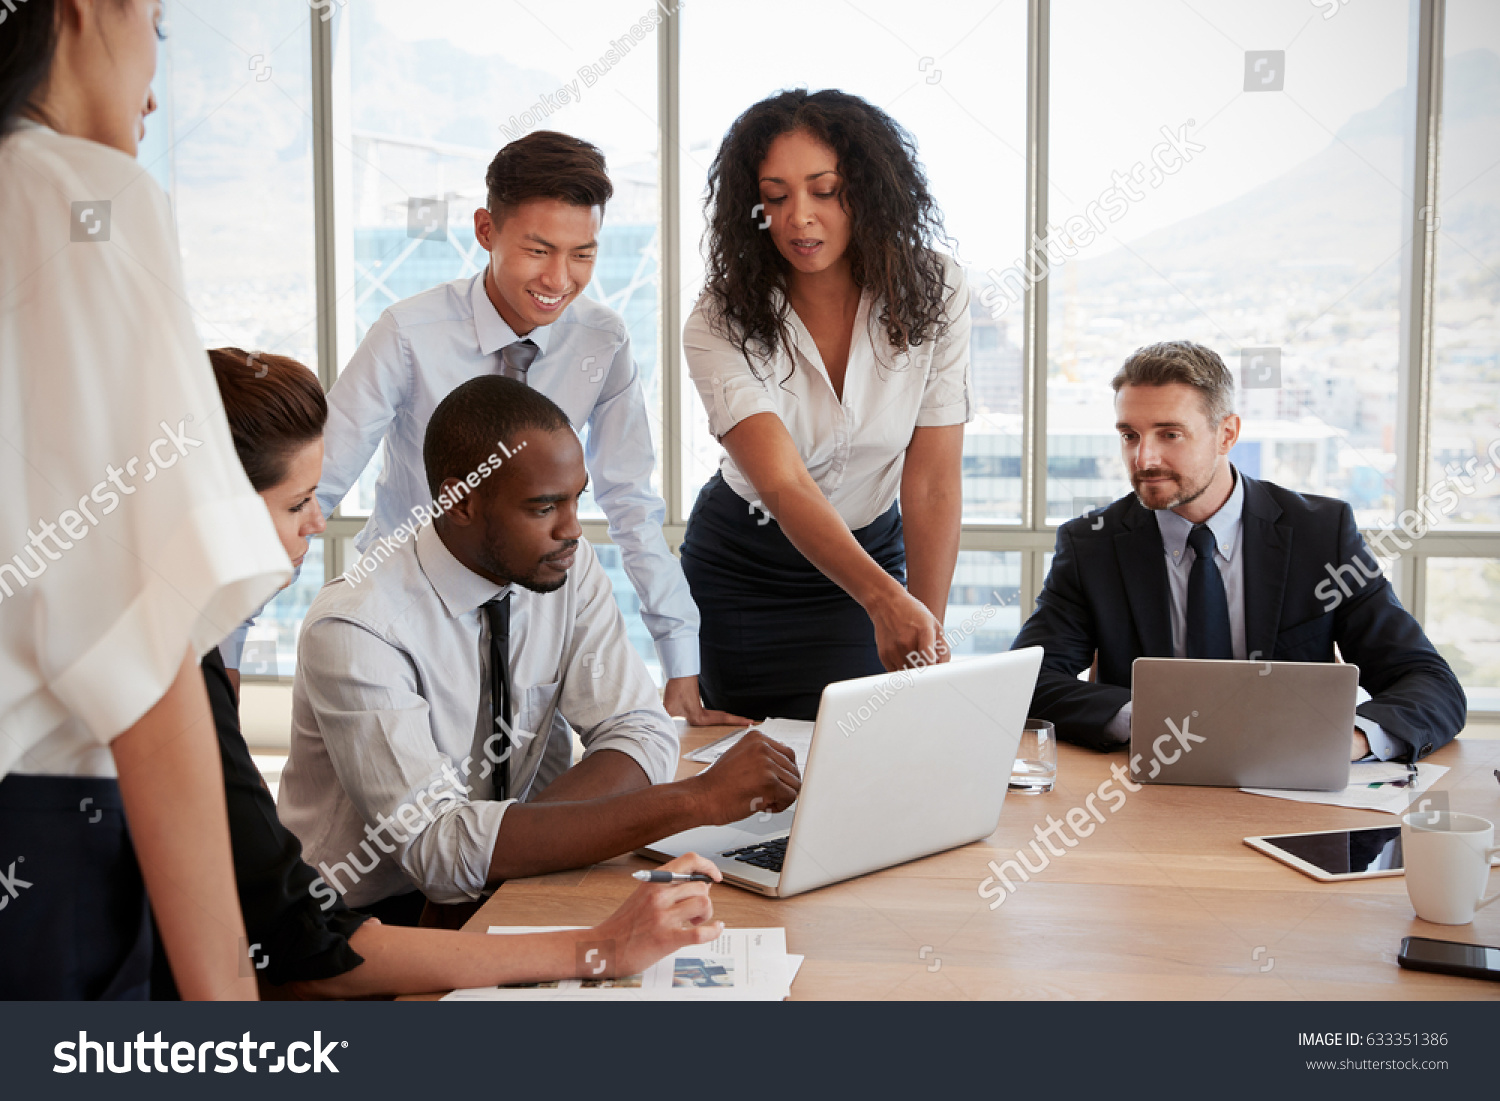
1331 855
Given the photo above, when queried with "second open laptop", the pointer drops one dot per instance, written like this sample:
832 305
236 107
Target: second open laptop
1256 724
900 766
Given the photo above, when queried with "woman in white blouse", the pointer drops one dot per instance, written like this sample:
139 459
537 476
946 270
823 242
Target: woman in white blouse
130 539
831 351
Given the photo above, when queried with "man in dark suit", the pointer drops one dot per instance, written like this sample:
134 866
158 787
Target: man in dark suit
1202 561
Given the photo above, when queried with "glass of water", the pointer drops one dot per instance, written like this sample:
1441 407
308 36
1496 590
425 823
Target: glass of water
1035 770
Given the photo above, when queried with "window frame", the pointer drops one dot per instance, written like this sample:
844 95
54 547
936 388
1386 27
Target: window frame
1033 537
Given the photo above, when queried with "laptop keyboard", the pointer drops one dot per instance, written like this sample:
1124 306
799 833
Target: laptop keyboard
765 854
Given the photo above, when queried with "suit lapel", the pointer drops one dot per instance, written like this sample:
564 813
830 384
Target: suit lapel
1143 570
1267 547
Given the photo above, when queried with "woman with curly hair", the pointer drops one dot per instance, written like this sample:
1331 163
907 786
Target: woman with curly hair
831 350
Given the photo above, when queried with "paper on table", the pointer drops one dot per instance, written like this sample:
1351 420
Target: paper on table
1378 772
795 734
1370 788
741 965
793 965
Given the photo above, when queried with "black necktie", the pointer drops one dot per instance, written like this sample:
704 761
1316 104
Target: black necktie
497 612
1207 606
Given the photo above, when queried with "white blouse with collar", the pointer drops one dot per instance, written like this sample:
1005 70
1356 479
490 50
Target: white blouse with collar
128 530
854 448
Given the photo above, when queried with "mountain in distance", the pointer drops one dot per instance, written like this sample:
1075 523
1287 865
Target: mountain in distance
1343 209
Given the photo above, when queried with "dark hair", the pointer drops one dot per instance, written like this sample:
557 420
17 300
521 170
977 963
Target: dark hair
894 221
470 424
26 47
1185 362
275 407
547 165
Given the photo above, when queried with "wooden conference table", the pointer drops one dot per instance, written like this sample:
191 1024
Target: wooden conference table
1162 900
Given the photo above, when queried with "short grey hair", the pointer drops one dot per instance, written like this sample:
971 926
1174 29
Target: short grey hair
1185 362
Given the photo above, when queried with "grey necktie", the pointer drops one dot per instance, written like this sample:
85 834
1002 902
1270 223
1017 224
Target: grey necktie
516 359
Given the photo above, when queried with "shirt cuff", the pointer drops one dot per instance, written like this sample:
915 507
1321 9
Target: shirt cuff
733 399
1382 746
678 656
233 647
944 415
1118 728
659 767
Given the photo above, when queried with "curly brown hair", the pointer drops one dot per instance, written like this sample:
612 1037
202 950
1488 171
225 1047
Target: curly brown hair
894 221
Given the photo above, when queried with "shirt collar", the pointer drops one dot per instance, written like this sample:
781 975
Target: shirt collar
490 329
1225 524
459 588
802 338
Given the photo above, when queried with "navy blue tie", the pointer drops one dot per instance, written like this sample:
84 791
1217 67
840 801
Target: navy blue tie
1207 606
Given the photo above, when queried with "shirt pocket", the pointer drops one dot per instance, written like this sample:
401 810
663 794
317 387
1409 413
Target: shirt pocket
534 707
544 747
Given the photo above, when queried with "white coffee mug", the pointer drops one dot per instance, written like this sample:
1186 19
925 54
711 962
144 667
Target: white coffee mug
1447 859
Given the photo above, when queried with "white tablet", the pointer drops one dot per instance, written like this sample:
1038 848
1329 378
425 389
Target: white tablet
1333 855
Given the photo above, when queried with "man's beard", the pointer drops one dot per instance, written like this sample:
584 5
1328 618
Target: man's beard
1184 496
538 586
534 581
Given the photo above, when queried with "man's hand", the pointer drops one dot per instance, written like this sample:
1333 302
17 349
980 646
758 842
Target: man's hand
903 625
657 919
756 774
1361 748
944 651
681 698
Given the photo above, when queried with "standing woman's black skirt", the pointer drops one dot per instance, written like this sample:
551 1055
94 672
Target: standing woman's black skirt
775 630
74 921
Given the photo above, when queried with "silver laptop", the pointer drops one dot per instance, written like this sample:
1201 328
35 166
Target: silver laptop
900 766
1254 724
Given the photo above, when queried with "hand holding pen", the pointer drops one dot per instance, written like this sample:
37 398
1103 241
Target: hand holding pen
661 875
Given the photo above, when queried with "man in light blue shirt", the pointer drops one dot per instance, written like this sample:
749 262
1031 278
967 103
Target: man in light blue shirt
524 317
